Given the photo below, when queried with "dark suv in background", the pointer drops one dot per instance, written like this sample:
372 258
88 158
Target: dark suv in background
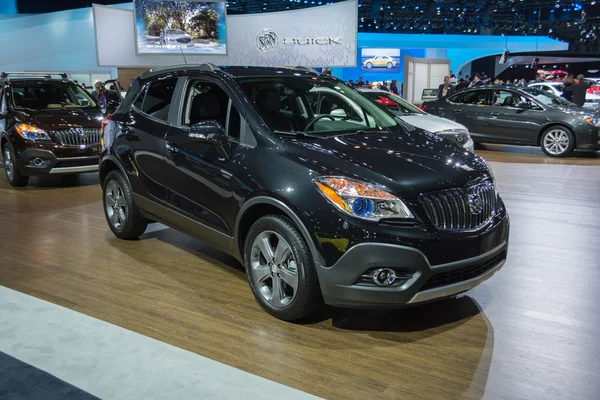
348 210
48 125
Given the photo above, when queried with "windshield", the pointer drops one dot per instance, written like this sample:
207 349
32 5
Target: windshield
40 96
393 103
547 98
314 105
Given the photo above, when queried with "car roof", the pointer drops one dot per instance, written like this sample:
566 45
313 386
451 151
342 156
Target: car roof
547 83
372 90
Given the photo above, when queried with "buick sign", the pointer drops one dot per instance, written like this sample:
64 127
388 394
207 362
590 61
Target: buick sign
266 40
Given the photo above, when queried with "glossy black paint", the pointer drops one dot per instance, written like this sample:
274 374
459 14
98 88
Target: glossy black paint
211 188
46 120
514 125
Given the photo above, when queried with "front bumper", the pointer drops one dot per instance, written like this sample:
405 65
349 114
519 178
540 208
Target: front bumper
74 162
343 284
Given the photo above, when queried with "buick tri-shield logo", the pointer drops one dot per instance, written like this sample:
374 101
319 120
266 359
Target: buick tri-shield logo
475 203
266 40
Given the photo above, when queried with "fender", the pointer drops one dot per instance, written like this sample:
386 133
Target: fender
109 157
290 214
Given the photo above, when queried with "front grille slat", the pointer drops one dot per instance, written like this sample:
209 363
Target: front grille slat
461 209
77 136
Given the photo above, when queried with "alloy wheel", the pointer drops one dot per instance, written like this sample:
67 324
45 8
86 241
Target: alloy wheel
274 268
8 163
556 141
114 202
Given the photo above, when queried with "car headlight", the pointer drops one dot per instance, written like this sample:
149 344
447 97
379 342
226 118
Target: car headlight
593 121
32 133
361 200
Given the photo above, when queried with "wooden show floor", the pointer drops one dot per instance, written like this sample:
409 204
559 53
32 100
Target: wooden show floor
530 332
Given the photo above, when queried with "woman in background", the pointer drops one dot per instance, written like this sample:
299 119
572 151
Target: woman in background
567 94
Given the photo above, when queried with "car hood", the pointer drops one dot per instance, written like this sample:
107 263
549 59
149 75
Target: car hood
430 122
61 118
408 163
179 35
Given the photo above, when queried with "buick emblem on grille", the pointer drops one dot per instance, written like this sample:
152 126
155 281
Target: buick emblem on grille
266 40
475 203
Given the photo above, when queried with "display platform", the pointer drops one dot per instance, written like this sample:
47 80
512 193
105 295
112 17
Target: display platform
528 332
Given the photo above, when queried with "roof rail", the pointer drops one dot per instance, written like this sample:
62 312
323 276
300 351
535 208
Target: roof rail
47 75
173 68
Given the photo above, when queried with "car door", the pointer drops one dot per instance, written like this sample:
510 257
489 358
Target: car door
470 109
204 178
140 138
510 123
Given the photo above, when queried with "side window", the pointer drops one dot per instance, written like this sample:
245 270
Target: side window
475 97
2 100
157 100
455 98
204 101
335 105
504 98
139 102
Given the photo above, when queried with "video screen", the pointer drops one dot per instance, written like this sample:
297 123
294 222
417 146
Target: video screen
380 60
175 27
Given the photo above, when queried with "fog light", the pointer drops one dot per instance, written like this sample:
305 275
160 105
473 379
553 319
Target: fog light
39 162
384 277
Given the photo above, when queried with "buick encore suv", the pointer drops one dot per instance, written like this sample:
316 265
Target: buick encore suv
352 211
48 125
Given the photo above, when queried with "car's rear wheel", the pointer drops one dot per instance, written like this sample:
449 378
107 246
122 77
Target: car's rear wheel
14 177
280 269
389 65
369 65
557 141
122 214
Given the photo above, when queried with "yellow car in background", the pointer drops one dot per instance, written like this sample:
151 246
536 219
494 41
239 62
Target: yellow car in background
379 61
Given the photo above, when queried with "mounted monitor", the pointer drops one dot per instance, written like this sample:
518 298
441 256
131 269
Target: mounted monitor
175 27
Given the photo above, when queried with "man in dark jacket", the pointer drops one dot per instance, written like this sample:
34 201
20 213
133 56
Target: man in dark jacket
462 84
579 91
445 89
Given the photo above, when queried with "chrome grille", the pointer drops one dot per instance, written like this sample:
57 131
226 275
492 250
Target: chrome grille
461 209
459 136
78 136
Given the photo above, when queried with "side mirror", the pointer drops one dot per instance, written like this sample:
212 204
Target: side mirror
523 105
210 132
339 112
84 103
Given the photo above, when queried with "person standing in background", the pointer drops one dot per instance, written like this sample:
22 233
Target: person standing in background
445 89
462 84
394 86
476 81
579 90
568 82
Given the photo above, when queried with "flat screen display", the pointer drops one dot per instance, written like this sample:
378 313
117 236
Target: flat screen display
175 27
380 60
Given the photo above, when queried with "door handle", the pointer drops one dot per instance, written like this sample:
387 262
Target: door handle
172 148
457 111
495 114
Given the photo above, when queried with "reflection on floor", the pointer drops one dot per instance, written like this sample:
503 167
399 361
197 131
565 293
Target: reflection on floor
533 155
528 333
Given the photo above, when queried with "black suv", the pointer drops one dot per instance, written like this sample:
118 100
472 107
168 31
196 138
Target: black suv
48 125
349 211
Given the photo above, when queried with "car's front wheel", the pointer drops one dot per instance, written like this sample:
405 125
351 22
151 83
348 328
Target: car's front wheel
14 177
122 214
557 141
280 269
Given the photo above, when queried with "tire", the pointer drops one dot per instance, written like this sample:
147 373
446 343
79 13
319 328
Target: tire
294 266
389 65
121 212
14 177
557 141
369 65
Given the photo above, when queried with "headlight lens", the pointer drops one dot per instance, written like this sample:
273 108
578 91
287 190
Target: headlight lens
593 121
360 199
32 133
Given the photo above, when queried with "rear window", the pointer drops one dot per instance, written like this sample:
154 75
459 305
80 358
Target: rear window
50 96
155 100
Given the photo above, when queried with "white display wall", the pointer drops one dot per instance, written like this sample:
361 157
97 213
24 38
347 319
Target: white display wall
335 27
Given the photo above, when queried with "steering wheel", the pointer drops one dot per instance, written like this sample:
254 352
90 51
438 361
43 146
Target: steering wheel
315 119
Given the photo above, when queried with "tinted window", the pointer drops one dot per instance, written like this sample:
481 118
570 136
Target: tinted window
157 100
456 98
505 98
139 102
476 97
205 101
